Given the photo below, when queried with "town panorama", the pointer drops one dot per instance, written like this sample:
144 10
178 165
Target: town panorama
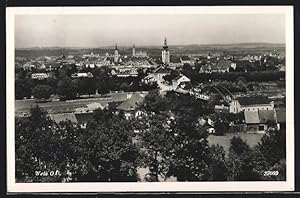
151 113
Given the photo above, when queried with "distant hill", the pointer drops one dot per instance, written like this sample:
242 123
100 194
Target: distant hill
155 50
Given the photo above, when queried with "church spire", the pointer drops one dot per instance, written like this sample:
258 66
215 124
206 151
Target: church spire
116 48
165 44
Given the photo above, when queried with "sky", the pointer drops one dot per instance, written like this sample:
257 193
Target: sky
144 30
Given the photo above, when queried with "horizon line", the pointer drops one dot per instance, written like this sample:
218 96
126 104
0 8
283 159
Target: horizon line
130 46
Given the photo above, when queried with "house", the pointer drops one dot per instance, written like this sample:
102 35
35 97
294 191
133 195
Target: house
282 68
180 81
185 60
63 117
91 107
157 75
250 103
222 66
257 121
205 68
130 105
125 72
82 75
39 76
83 118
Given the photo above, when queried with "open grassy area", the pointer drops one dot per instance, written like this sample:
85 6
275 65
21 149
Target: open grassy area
251 138
66 106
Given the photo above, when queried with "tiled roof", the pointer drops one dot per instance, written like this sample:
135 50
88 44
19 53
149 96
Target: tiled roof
132 103
161 70
222 64
266 115
251 117
253 100
64 117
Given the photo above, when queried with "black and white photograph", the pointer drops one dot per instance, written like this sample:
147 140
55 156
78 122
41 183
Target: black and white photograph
116 99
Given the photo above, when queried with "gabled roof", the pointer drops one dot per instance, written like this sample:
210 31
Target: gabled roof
251 117
282 68
161 70
223 64
83 117
266 115
131 103
181 76
64 117
253 100
96 105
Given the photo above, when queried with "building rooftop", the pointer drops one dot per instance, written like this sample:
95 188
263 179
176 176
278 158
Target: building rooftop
64 117
222 64
131 103
251 117
266 115
253 100
83 117
161 70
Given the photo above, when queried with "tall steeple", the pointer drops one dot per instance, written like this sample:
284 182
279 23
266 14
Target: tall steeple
165 44
165 54
133 50
116 56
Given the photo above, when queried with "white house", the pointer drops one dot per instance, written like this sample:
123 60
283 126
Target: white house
253 103
181 79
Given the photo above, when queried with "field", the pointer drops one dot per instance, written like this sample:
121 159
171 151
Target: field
251 138
67 106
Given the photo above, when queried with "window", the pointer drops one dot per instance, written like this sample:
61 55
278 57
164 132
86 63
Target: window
261 127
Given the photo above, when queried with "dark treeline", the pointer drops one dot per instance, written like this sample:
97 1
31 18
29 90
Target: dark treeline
62 84
166 139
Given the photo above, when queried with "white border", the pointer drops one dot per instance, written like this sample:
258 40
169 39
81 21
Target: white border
150 187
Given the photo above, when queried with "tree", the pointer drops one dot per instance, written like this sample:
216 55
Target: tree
19 89
87 86
240 162
156 141
217 165
109 152
42 91
35 147
154 102
221 127
270 153
190 156
66 88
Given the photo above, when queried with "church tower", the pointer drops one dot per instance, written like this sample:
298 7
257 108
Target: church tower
165 54
116 56
133 50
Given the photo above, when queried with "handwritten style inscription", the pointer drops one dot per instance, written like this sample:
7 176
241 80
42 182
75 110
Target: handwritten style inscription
271 173
47 173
